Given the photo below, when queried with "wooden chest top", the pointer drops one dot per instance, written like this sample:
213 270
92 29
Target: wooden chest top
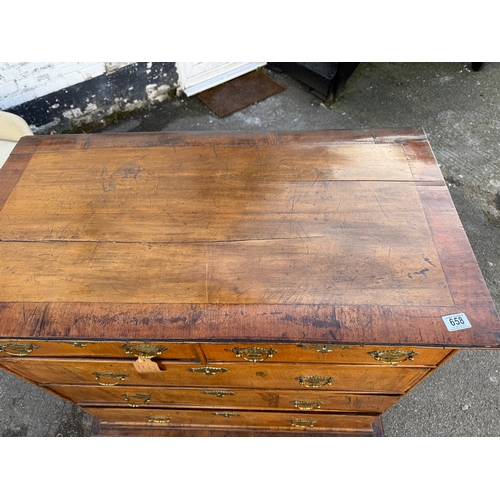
337 236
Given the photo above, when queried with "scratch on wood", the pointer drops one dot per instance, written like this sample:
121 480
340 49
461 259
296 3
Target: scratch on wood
422 272
340 201
178 174
304 231
155 215
113 286
206 281
428 261
258 154
41 325
380 206
92 253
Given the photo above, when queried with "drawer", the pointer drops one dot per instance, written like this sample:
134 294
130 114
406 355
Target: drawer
225 398
314 377
235 419
67 348
325 353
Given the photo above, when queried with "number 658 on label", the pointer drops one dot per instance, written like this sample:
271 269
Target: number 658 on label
456 322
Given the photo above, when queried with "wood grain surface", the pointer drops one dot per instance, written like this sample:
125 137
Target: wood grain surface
374 379
247 419
346 236
262 399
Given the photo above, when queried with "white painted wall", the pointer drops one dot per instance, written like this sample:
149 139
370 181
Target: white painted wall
24 81
195 77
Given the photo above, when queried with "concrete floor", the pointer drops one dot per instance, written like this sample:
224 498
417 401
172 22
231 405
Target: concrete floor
458 109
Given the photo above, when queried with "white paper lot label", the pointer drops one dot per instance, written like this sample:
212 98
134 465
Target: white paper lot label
456 322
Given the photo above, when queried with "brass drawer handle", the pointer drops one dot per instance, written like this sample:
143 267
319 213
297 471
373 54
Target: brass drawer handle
324 348
315 381
226 414
144 398
207 370
307 405
254 354
17 349
145 351
302 423
394 356
116 377
219 394
158 420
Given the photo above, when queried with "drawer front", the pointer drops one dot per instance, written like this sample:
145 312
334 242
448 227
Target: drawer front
324 353
132 350
233 419
140 396
314 377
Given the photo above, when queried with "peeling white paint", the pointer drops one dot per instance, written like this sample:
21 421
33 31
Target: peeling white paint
72 113
111 67
95 115
157 94
88 109
25 81
115 108
134 105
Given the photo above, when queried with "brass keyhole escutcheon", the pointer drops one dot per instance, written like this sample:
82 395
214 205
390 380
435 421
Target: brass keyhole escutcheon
394 356
324 348
254 354
80 345
219 394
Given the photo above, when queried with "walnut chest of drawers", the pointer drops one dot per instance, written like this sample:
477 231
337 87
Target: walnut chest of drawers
286 283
